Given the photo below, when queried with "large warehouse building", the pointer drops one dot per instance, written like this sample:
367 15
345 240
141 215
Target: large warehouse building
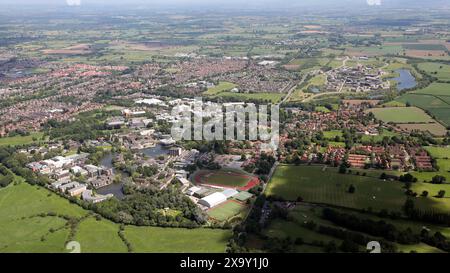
213 200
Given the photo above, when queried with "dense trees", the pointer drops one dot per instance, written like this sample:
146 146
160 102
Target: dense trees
147 206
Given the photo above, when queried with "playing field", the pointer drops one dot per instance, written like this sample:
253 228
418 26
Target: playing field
438 152
23 230
325 185
401 115
20 140
263 96
227 178
221 87
227 210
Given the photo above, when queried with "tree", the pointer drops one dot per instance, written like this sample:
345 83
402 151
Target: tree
351 189
441 194
425 194
343 168
409 206
438 179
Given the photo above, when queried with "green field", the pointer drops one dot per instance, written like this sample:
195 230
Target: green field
177 240
301 214
227 210
20 140
25 231
314 184
424 47
434 99
221 87
332 134
224 177
438 152
270 97
438 70
401 115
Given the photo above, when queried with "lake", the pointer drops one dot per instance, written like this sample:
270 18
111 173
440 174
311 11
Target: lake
405 80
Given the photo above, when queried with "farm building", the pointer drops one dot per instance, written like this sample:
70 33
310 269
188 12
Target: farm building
213 200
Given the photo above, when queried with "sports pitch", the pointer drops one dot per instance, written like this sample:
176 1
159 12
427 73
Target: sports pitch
226 178
227 210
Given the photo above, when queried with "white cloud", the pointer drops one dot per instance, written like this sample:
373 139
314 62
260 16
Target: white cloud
374 2
73 2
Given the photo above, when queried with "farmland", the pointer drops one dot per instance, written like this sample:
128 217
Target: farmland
325 185
21 205
438 70
401 115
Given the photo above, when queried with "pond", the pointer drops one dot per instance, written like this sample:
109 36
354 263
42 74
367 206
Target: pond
156 151
405 80
116 188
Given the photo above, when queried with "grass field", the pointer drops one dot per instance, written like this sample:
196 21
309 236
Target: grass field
221 87
270 97
178 240
20 140
438 152
401 115
314 184
434 98
436 129
438 70
23 231
227 210
224 177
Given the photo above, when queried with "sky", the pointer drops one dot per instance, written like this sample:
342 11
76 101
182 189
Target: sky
237 3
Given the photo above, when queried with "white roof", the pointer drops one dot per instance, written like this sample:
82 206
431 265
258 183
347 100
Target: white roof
213 199
230 192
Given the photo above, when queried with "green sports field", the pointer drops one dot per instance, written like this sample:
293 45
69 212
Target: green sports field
20 140
227 210
223 177
325 185
23 229
401 115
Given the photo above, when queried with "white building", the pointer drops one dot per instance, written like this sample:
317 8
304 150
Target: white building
213 200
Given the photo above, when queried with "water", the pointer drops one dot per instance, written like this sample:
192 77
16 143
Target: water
406 80
115 188
156 151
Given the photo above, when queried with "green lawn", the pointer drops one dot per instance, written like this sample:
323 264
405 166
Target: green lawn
221 87
227 210
99 236
20 140
165 240
314 184
401 115
332 134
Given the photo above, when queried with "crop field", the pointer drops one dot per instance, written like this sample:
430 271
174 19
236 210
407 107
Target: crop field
421 46
436 129
227 210
435 99
28 231
325 185
401 115
227 178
